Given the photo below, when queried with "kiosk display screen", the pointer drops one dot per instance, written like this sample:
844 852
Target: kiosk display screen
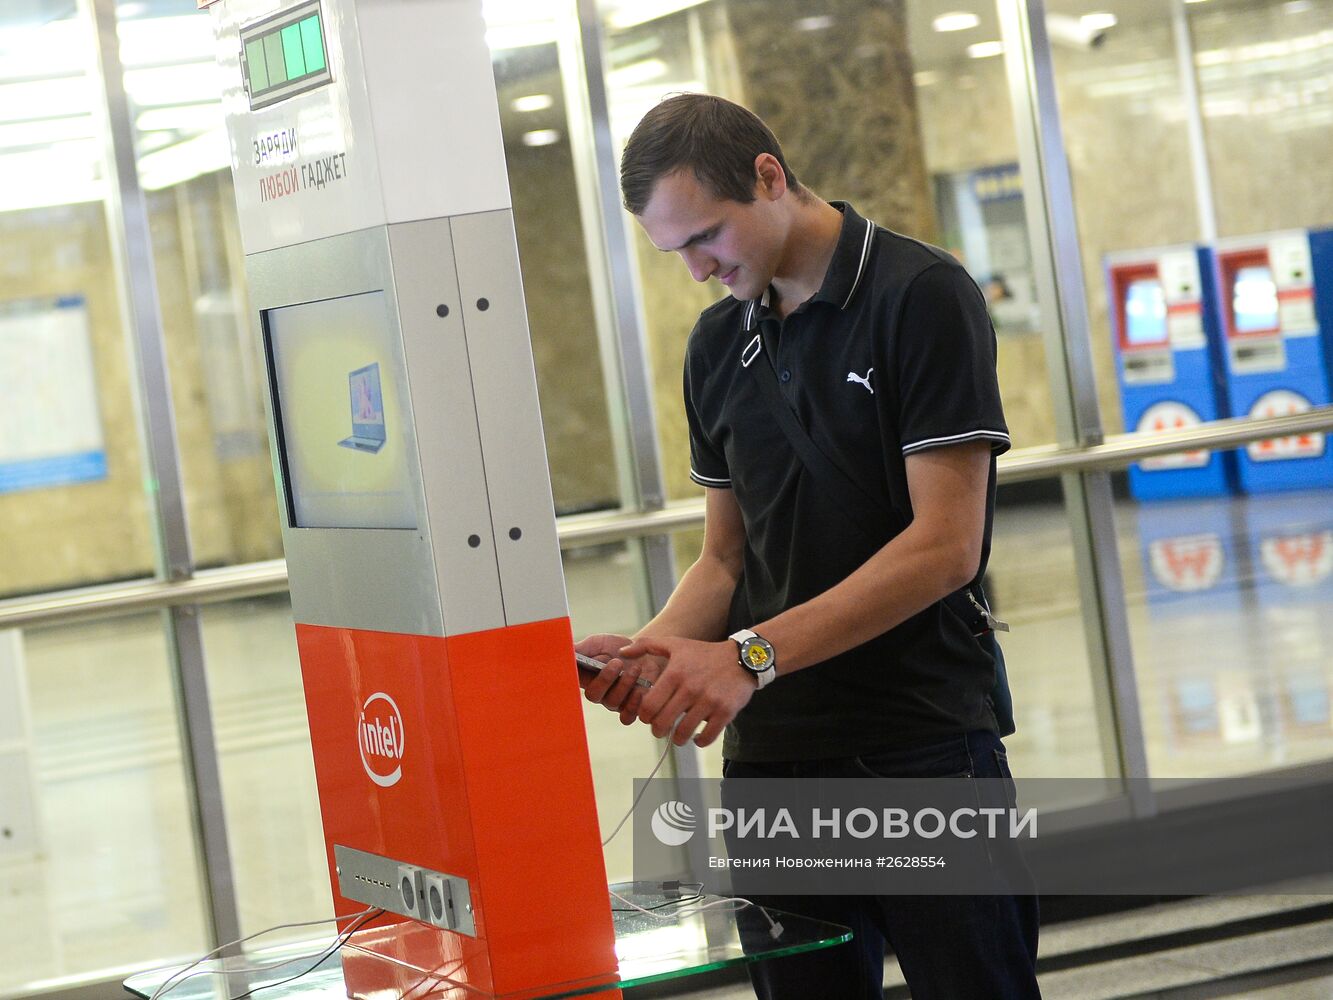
336 369
1254 299
1145 312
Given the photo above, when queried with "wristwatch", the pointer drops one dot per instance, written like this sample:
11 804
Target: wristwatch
756 656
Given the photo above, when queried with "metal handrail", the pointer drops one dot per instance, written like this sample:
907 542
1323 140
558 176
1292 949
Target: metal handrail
582 530
1121 450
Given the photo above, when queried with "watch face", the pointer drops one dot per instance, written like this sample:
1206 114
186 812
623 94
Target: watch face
756 654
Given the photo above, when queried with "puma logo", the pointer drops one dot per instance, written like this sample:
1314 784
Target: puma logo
853 377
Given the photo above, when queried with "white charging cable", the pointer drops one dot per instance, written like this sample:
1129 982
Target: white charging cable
660 761
179 976
691 909
774 928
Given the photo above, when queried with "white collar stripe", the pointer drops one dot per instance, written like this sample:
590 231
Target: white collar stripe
860 268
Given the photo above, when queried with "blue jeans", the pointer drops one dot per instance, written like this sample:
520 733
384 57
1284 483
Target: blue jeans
948 947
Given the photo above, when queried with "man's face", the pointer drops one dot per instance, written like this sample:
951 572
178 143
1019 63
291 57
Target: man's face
738 243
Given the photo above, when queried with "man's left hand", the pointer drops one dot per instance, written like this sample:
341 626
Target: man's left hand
704 680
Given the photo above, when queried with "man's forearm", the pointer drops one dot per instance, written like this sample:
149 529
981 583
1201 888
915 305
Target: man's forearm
697 608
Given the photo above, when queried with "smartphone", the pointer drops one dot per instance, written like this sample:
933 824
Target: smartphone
592 666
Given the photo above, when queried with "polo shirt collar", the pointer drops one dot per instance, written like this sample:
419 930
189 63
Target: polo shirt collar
846 268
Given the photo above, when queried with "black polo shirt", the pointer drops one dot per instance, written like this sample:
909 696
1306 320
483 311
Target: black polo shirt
894 354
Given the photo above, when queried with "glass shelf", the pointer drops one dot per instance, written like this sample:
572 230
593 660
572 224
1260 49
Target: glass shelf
649 950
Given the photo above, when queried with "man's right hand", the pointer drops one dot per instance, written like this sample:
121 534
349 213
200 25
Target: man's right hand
615 687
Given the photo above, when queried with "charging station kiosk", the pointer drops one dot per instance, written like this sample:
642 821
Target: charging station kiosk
1274 303
431 620
1166 363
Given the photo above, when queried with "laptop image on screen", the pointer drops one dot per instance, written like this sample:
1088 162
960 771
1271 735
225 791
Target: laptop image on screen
367 410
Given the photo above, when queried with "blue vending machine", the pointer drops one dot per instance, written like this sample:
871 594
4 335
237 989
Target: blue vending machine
1169 371
1166 348
1274 304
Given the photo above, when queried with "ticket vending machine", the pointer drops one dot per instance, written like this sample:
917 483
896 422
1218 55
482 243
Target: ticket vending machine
1274 304
427 590
1166 363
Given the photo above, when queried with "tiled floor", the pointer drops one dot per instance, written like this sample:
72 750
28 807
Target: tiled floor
1234 669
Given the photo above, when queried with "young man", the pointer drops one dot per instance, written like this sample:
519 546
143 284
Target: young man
821 647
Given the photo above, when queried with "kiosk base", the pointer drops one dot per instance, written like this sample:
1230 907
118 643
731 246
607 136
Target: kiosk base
464 757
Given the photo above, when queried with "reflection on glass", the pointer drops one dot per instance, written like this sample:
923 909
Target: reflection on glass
532 58
1263 69
71 470
1120 97
1226 601
605 589
1254 299
173 89
264 757
111 875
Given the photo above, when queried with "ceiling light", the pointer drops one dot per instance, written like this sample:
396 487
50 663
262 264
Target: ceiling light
36 99
956 21
1099 21
181 161
925 77
984 50
533 102
183 118
48 130
45 50
61 174
636 73
816 23
151 41
541 137
520 36
629 13
1297 6
187 83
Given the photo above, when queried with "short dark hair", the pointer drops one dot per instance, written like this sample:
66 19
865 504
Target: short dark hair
716 138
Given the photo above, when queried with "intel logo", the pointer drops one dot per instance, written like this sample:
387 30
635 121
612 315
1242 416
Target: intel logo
380 739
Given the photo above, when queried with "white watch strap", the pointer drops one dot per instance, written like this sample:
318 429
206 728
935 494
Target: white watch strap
761 679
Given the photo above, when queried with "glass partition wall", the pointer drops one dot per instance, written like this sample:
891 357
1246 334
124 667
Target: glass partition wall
1172 637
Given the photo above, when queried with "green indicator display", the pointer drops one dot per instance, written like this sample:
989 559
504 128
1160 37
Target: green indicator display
312 41
254 61
291 51
277 66
285 55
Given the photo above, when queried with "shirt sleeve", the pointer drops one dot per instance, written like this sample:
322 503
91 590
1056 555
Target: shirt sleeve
947 388
708 465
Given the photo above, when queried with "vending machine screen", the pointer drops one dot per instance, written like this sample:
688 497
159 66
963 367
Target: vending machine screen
1145 312
1254 299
